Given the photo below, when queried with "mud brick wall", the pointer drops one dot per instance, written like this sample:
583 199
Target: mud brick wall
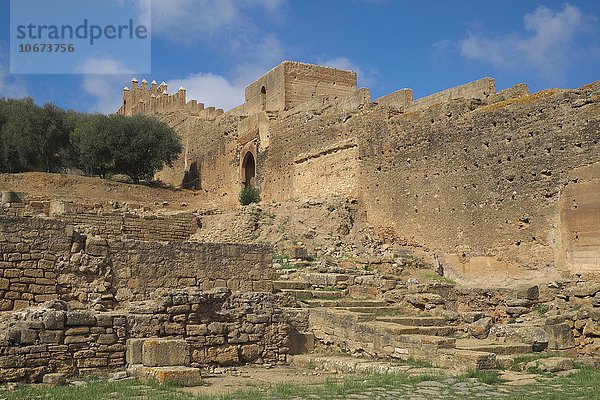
116 225
220 327
50 339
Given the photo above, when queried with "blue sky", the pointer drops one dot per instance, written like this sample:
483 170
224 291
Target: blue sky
216 47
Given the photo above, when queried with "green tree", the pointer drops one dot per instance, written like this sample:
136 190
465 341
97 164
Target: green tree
19 135
90 140
143 145
32 138
136 146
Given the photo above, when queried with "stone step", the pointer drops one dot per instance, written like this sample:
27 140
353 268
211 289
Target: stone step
345 303
175 375
372 311
397 329
348 364
315 294
437 341
493 347
415 321
291 285
466 359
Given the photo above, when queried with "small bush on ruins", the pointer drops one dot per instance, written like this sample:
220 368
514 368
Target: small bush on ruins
249 194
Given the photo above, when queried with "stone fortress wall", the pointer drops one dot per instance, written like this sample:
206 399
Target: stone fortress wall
496 183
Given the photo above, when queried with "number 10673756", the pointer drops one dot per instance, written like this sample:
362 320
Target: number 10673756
46 48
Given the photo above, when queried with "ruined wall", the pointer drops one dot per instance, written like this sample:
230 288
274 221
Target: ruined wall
179 290
31 252
309 156
579 224
274 98
142 268
219 327
303 82
402 99
44 260
210 159
116 225
154 99
291 83
51 339
479 89
483 184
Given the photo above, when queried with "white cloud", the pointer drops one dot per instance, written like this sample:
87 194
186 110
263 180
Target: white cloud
255 57
103 81
366 78
210 89
548 48
202 20
11 86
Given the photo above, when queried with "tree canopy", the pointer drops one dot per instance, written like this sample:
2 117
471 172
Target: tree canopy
50 139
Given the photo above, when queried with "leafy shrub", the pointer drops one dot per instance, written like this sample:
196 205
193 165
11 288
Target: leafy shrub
249 194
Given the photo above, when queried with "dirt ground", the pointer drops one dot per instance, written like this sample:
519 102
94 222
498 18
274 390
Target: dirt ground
253 377
84 190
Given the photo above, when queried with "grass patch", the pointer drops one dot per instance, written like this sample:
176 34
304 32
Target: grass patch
415 363
330 289
283 261
331 388
97 390
487 377
541 308
437 278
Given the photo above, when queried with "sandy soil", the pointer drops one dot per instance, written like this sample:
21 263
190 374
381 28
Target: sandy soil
255 377
84 190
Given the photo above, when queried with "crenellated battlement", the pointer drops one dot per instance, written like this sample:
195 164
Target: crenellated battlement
142 98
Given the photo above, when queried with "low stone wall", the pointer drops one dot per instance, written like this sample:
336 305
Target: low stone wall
50 339
117 225
44 260
141 268
220 327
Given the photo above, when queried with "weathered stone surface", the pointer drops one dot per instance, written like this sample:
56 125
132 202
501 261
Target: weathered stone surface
165 352
528 292
552 364
534 335
175 375
517 310
95 246
134 351
481 328
250 352
55 379
560 336
592 328
585 289
80 317
421 300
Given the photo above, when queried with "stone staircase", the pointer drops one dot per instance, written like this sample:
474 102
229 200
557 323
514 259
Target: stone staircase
334 321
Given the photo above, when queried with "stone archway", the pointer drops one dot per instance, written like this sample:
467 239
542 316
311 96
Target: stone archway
249 169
